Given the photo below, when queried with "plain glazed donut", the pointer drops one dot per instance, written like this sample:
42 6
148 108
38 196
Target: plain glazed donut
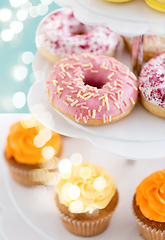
152 85
153 45
93 90
60 34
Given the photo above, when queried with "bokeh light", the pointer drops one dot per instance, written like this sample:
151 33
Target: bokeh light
15 3
99 183
27 57
43 136
19 99
20 73
26 6
48 152
16 26
7 35
33 12
46 2
42 9
22 15
5 14
76 207
85 172
65 166
91 208
76 159
73 192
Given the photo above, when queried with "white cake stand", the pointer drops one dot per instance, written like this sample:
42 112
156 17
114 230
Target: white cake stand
141 135
130 19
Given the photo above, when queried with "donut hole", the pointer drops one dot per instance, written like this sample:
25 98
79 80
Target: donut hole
94 82
79 30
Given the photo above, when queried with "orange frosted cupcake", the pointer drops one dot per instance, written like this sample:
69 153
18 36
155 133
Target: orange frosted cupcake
149 206
32 152
86 198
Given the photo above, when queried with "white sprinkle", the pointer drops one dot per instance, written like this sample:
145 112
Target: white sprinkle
69 87
110 75
68 74
74 103
94 71
55 83
70 99
66 103
109 118
117 106
99 109
132 101
93 113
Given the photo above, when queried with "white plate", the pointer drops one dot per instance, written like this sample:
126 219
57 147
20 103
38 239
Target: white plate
131 18
28 214
123 138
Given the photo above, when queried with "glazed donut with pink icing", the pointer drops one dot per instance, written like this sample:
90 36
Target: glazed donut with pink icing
92 89
60 34
152 85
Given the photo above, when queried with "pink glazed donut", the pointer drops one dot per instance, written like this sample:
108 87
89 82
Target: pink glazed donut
60 34
152 85
91 89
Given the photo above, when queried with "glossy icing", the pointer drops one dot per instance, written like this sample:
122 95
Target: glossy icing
57 33
150 196
20 144
87 183
92 87
152 80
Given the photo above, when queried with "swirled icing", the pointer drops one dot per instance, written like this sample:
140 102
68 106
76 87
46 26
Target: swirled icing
60 33
88 193
92 87
150 196
152 80
20 144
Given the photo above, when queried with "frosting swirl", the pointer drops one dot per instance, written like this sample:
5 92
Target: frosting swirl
21 145
150 196
92 187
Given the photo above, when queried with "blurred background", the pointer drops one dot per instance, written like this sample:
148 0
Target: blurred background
19 20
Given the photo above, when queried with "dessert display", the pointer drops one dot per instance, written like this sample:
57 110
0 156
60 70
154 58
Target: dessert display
148 206
86 198
60 34
153 45
152 85
158 5
91 89
32 152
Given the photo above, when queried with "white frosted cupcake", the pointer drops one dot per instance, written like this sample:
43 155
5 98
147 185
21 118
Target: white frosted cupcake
86 198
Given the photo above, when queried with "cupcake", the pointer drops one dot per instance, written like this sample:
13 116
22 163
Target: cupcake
149 206
32 152
86 198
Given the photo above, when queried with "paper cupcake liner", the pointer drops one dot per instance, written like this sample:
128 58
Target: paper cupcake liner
21 176
86 228
149 233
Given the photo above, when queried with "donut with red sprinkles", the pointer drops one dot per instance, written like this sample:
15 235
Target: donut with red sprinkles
152 85
60 34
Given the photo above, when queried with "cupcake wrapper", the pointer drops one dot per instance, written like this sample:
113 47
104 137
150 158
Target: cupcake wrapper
149 233
86 228
21 176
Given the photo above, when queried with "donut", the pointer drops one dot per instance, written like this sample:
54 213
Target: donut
152 85
60 34
92 89
158 5
153 45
